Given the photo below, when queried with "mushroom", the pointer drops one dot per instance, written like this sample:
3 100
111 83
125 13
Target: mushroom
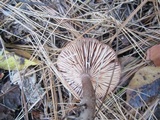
87 63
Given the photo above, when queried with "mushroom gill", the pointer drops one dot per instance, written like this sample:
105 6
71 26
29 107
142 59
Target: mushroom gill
89 56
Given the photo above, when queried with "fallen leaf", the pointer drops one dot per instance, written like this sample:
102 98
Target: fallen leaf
11 97
5 113
1 75
10 61
153 54
32 90
125 60
24 54
157 111
144 86
36 114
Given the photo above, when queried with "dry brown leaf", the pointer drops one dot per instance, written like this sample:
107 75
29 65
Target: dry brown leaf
144 86
1 75
153 54
36 114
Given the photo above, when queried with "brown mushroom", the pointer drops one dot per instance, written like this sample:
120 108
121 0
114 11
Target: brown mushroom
94 58
90 68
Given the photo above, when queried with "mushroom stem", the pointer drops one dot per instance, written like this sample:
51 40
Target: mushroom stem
89 98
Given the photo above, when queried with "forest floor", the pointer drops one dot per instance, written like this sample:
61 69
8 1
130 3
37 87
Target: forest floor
34 32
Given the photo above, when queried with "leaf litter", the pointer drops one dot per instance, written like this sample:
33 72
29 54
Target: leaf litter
41 28
144 86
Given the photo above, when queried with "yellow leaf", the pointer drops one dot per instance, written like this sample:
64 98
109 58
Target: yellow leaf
10 61
24 54
145 75
144 86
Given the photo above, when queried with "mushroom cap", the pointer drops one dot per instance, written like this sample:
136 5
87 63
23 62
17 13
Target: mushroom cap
93 57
